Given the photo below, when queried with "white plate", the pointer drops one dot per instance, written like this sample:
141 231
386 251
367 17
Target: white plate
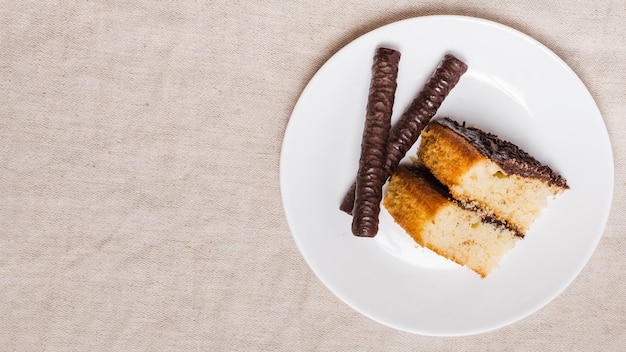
514 87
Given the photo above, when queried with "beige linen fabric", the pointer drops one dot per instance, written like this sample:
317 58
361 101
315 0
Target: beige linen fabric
139 176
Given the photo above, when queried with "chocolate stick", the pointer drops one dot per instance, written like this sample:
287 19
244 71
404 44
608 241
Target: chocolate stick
405 133
371 175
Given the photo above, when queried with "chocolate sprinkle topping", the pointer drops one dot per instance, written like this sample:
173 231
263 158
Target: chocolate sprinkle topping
511 158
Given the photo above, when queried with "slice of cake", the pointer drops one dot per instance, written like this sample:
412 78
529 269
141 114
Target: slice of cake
424 208
481 169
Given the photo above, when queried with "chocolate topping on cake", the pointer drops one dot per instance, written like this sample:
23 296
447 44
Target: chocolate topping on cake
507 155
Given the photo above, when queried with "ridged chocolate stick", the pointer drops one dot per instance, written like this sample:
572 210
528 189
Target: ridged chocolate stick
406 131
371 175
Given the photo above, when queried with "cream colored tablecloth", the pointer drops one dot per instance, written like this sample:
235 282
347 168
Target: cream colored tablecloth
140 203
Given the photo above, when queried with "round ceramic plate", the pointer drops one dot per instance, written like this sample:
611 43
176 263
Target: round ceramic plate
514 87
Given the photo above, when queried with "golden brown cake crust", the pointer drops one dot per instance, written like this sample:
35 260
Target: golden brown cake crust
412 202
454 155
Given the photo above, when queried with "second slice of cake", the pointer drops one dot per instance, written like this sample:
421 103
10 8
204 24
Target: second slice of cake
491 173
423 207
